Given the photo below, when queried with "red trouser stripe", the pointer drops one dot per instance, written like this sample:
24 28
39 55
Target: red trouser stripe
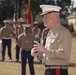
57 71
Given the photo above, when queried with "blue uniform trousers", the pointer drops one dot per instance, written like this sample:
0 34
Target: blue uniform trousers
24 56
17 52
6 42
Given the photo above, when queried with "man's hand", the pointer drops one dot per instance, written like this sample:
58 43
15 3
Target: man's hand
34 52
39 47
20 50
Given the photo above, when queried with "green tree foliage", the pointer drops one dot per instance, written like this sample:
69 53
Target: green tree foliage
6 9
35 4
7 6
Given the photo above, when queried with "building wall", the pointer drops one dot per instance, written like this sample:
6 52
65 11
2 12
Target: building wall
72 21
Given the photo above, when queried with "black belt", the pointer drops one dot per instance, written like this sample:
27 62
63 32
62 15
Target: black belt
56 66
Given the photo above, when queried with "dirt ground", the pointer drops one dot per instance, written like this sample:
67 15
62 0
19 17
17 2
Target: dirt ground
14 68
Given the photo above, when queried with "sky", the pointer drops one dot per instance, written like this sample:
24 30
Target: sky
74 3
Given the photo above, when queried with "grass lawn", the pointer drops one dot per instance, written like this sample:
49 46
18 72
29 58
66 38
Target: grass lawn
14 68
